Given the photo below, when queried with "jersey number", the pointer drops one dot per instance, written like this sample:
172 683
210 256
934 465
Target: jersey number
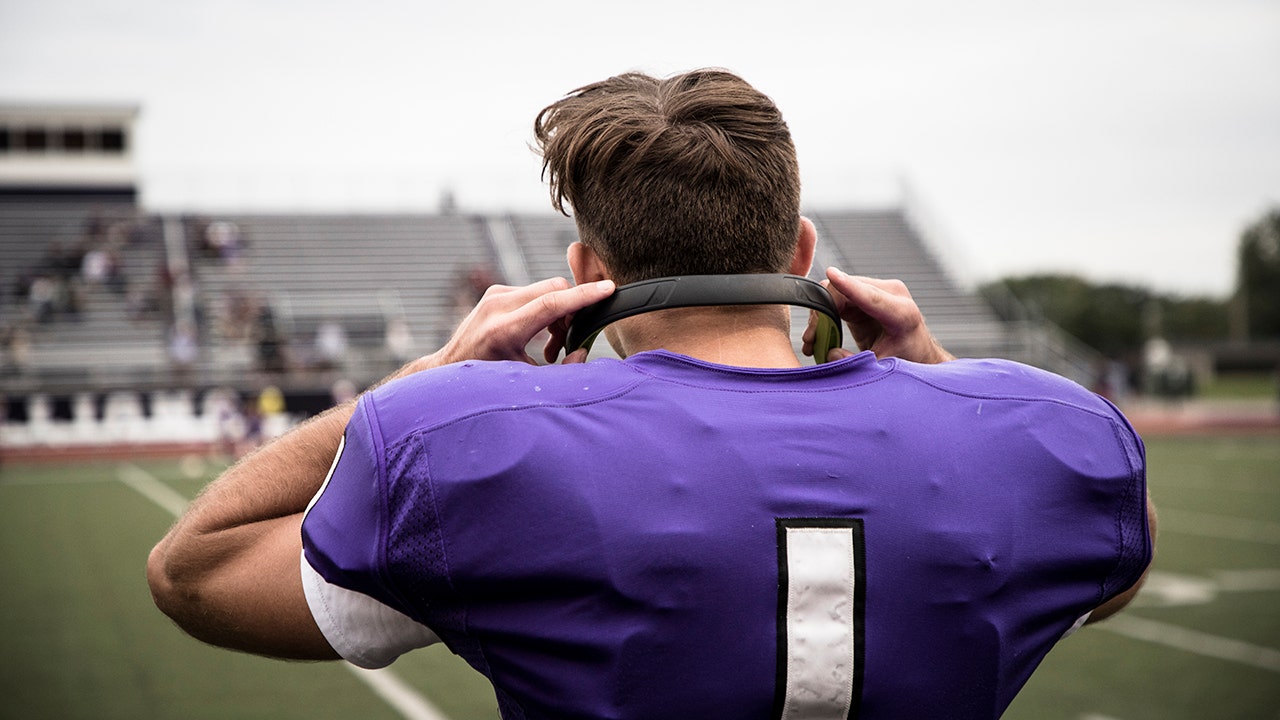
821 593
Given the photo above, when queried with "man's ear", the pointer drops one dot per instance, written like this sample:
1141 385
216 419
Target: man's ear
586 265
806 240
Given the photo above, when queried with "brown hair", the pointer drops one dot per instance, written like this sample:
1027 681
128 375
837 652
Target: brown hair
694 174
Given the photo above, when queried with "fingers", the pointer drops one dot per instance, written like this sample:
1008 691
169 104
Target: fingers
557 331
555 341
501 325
887 301
575 298
507 318
543 310
884 318
836 354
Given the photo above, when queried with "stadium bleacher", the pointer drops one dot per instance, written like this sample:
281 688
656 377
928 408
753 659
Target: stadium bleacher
85 332
883 244
251 285
359 272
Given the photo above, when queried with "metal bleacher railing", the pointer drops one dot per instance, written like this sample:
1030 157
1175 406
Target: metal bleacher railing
1020 334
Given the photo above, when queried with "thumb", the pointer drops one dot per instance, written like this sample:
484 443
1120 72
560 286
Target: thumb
835 354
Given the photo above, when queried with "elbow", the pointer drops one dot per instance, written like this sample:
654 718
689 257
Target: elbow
163 587
172 594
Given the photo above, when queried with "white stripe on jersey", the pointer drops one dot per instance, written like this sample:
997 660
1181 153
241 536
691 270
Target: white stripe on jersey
820 623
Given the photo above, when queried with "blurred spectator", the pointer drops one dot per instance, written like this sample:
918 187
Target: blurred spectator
115 281
44 298
236 313
141 302
223 405
22 286
251 435
271 412
270 346
73 297
184 349
1111 380
1166 374
469 287
399 342
330 345
17 350
342 391
60 262
96 266
95 226
223 240
101 266
270 402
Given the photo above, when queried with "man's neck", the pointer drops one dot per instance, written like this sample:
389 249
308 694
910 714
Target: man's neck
744 336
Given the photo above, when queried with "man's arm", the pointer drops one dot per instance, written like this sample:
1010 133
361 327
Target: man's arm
228 571
882 318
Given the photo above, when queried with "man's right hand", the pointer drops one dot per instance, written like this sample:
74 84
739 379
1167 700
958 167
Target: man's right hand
882 318
507 318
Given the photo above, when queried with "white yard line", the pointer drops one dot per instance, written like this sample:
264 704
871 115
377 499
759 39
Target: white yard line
1193 641
384 683
407 701
152 489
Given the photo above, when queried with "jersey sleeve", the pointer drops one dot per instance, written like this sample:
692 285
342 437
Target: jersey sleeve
1135 546
342 551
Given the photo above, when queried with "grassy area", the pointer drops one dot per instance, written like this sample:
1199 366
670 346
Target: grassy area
1240 386
82 639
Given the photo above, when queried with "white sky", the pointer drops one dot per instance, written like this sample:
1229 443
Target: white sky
1125 140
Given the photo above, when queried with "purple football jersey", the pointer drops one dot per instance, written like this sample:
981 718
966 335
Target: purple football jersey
662 537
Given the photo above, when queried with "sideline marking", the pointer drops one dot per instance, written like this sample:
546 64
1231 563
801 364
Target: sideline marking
409 702
148 486
384 683
1193 641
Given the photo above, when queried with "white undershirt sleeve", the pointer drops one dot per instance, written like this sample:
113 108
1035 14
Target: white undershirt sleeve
362 630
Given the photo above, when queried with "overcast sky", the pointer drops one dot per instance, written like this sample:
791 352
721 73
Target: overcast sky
1125 140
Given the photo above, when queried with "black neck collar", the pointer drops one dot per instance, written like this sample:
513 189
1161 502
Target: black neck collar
705 290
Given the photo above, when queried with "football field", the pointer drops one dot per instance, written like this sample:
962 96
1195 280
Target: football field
81 639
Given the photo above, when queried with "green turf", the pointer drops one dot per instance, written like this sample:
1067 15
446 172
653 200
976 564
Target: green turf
81 638
1239 386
